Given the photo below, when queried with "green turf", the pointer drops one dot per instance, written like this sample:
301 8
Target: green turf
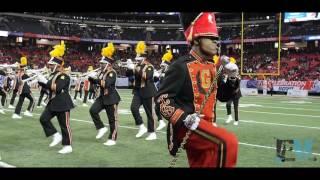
23 144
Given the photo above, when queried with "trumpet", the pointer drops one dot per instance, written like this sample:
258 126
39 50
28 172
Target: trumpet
125 64
43 71
15 65
36 71
94 71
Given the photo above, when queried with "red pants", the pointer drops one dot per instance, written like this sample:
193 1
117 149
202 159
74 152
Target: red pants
215 147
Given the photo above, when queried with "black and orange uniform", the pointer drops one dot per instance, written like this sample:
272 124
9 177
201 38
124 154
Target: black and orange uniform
143 92
43 91
108 100
15 88
3 87
24 91
59 105
78 88
92 91
166 61
234 88
60 102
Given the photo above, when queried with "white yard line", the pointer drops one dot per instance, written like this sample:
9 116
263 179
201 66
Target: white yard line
284 97
284 114
279 103
6 165
270 147
276 124
272 107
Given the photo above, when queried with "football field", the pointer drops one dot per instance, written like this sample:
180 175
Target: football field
263 120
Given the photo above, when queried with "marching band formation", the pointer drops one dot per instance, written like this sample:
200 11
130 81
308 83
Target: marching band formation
97 86
188 89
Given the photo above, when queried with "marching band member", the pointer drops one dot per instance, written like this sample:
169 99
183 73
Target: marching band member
187 96
232 79
23 91
78 87
15 87
109 97
86 87
144 91
43 91
3 92
60 102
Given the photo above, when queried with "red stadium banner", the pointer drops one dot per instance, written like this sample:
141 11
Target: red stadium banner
283 86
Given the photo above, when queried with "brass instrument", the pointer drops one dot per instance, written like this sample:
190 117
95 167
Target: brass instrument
43 71
36 71
88 73
125 64
13 66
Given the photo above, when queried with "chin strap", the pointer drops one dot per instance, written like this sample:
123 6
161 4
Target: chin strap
55 67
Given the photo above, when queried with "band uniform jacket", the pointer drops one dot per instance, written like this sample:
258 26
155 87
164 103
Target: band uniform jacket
2 79
181 93
43 87
143 84
15 85
107 85
24 87
5 81
59 97
229 89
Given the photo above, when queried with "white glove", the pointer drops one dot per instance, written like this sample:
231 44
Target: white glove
232 70
92 74
42 79
224 60
130 66
192 121
156 74
225 77
164 66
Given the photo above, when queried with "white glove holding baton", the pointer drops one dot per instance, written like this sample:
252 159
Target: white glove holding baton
192 121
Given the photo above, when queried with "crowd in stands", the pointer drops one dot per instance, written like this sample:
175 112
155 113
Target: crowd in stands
294 66
78 60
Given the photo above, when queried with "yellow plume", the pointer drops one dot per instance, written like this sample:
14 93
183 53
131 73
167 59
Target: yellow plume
23 61
58 50
167 57
216 59
141 48
108 51
232 60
